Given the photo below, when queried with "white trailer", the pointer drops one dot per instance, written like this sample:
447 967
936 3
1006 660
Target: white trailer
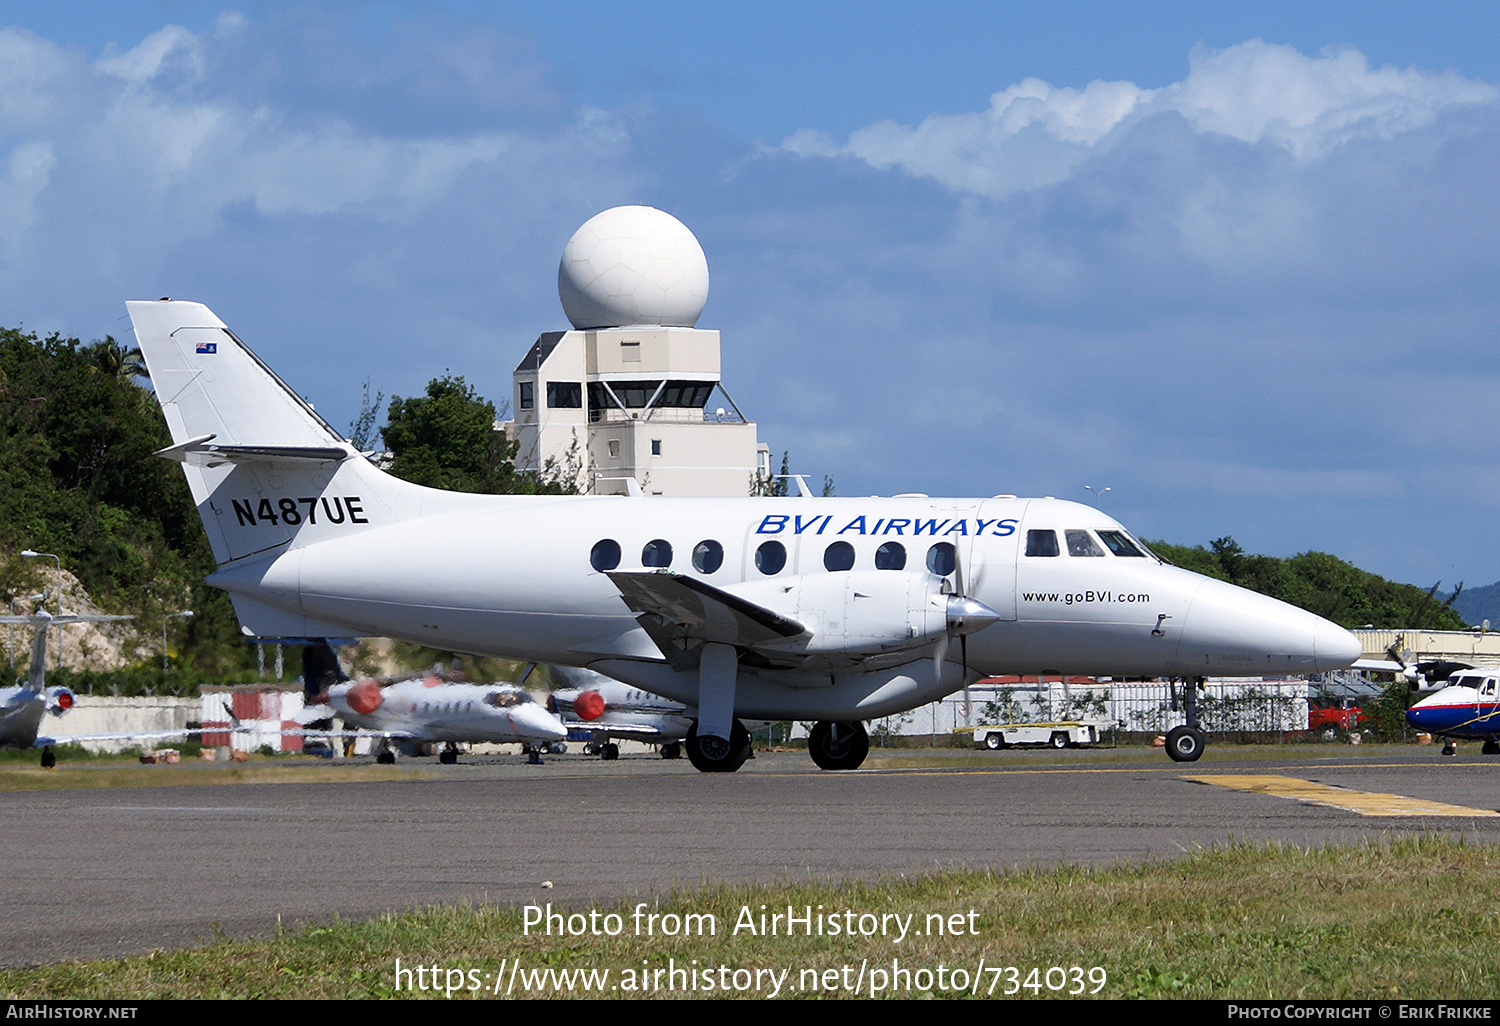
1069 734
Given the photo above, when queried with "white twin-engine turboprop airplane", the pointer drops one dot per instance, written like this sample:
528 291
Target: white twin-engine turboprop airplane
834 610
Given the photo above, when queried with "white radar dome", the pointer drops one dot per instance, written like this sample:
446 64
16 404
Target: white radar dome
633 266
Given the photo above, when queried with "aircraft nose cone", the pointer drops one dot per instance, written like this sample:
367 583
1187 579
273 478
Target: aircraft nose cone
1231 630
539 723
1336 648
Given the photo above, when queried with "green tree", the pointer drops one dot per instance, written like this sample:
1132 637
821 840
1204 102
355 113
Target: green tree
78 478
447 439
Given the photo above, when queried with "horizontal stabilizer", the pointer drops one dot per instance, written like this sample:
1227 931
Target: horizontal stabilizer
200 453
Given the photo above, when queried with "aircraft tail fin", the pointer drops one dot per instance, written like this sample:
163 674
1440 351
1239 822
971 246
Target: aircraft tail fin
320 669
210 384
263 467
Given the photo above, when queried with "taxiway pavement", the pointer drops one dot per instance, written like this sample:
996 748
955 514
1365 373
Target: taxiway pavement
99 872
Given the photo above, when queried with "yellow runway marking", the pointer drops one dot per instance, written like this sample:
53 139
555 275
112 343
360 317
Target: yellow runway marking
1366 803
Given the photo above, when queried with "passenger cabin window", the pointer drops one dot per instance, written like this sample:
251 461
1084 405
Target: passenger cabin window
1120 544
890 556
770 557
942 558
1041 543
657 553
1081 543
708 556
605 555
838 556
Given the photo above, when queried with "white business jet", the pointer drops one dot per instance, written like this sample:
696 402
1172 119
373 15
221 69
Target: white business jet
426 709
834 610
609 709
24 706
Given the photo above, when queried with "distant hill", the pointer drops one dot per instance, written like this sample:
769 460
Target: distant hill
1477 605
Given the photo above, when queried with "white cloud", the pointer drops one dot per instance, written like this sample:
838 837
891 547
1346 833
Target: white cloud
1035 135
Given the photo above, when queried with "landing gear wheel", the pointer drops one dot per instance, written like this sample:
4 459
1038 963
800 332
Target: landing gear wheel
609 751
1491 747
710 754
839 745
671 750
1184 744
993 741
386 757
1059 740
448 756
1450 748
49 759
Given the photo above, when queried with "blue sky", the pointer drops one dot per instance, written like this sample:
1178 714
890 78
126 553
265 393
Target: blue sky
1237 263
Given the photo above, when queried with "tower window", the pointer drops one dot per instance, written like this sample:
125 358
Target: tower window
564 395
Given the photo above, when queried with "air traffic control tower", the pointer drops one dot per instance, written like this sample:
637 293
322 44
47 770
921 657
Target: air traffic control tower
626 393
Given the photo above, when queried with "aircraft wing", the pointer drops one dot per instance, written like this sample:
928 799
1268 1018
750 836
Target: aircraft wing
140 735
640 731
682 613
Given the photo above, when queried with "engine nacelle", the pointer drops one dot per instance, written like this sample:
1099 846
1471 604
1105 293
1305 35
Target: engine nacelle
59 700
866 612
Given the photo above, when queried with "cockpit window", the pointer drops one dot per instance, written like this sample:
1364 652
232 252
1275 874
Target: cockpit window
1041 543
1119 544
507 699
1081 543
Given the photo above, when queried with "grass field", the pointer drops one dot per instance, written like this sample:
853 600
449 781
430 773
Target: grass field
1411 919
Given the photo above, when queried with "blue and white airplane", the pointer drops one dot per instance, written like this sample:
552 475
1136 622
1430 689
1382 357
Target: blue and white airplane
1468 709
835 610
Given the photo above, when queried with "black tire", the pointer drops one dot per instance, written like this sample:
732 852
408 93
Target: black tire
1058 740
671 750
1184 744
1491 747
714 754
386 758
609 751
994 740
49 758
838 746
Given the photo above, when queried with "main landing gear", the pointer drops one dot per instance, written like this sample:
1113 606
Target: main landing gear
838 745
710 754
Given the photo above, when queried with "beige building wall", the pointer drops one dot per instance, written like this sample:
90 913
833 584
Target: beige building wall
662 439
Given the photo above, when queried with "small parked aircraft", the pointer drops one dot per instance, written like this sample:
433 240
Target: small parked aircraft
424 709
24 706
609 709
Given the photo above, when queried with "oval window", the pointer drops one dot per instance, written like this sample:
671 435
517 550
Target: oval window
606 555
890 556
708 556
770 557
838 556
942 558
657 553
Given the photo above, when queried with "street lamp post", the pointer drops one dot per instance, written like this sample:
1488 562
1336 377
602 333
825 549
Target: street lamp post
32 554
165 617
1098 494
